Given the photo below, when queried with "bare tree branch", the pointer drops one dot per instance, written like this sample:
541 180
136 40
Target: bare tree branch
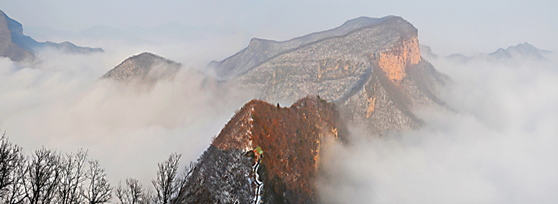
99 190
167 184
43 177
12 172
72 176
132 193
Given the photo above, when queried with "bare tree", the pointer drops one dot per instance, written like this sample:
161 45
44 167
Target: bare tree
9 155
99 189
42 177
16 190
48 177
187 186
167 183
12 172
132 193
72 176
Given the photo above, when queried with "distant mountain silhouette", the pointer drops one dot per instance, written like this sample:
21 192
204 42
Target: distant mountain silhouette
144 67
18 47
370 67
523 51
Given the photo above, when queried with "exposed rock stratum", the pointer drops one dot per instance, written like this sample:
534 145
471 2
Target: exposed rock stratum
370 67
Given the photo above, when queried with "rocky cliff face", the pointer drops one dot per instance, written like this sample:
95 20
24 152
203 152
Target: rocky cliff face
394 62
372 70
145 67
8 48
291 139
18 47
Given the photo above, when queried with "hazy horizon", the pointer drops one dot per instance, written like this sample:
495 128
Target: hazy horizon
466 27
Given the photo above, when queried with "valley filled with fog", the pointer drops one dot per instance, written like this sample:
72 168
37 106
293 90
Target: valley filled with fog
61 103
490 137
499 144
498 147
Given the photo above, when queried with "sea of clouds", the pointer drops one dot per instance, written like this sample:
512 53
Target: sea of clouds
60 102
501 146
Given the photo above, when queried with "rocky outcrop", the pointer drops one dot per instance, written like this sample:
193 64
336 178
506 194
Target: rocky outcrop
370 70
291 139
394 62
144 67
18 47
9 48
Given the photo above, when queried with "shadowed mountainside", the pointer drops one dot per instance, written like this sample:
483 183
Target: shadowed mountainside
291 139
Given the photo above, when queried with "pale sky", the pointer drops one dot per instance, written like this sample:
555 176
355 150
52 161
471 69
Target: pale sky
467 27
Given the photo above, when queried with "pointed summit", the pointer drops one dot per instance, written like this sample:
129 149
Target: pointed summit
144 66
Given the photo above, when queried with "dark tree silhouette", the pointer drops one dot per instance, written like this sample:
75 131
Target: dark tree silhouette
12 172
48 177
72 176
167 184
131 193
42 177
99 189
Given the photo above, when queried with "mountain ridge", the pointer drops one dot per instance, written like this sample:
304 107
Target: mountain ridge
290 45
349 69
19 47
520 51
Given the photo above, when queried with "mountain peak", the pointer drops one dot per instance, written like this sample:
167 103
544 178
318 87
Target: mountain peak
145 55
260 50
364 21
522 50
144 66
291 140
360 21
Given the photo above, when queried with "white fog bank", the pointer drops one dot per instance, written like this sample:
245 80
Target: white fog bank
500 147
60 103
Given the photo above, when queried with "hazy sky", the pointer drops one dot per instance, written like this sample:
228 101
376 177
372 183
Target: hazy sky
466 27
